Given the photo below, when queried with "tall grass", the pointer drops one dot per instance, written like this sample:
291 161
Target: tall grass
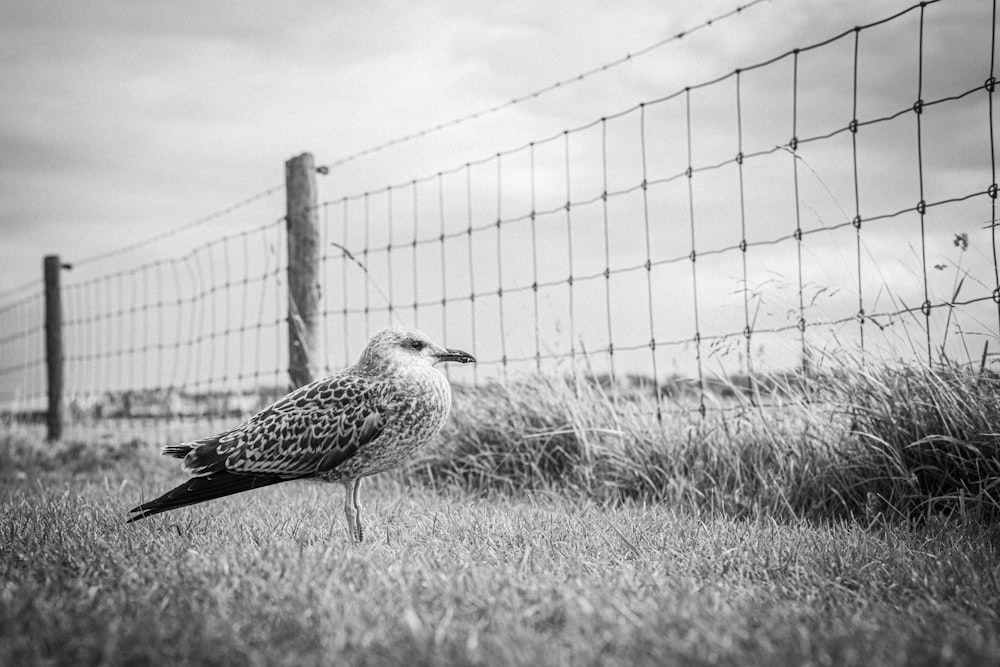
925 439
896 440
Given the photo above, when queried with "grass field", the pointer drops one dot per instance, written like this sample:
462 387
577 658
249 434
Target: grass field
549 526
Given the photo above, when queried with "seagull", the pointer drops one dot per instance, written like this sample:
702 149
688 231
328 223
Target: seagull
358 422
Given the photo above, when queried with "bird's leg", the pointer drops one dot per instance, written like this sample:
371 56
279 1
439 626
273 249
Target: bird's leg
351 511
357 509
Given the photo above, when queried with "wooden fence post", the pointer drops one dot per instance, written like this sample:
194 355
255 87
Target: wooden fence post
53 347
303 270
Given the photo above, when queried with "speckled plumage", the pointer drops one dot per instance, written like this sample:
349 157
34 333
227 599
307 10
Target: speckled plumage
358 422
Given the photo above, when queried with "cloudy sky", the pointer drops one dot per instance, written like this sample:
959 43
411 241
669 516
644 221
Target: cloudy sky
122 120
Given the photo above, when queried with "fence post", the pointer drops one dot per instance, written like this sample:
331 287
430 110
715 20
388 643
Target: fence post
53 347
303 270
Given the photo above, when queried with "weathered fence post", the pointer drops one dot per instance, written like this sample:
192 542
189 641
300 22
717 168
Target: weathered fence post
303 270
53 347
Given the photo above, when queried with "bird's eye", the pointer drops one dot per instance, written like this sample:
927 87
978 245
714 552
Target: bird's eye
415 344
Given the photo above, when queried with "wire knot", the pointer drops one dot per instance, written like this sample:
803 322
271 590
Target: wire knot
918 107
856 222
992 191
853 126
693 256
921 207
925 308
743 245
794 143
739 158
802 324
990 84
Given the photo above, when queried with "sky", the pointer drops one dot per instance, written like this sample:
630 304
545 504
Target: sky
121 121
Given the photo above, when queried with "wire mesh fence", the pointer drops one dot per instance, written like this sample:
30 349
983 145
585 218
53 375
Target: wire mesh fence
200 337
744 224
200 334
835 198
22 351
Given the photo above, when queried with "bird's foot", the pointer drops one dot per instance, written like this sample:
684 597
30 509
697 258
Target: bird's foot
354 528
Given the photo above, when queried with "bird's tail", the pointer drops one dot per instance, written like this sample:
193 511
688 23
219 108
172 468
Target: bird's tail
178 451
199 489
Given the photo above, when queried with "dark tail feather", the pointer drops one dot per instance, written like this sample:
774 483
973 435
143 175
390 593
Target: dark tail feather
199 489
177 451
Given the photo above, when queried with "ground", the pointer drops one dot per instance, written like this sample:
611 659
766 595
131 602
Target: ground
453 576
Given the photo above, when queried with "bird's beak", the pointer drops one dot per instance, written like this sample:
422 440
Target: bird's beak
456 355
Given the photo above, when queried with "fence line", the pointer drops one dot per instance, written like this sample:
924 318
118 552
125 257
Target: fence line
796 145
169 332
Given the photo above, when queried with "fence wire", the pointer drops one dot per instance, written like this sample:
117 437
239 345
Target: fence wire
535 94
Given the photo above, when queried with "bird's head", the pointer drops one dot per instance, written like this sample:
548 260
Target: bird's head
408 347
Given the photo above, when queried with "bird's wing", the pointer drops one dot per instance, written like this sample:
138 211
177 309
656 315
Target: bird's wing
312 430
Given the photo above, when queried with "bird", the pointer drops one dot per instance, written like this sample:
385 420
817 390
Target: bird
354 423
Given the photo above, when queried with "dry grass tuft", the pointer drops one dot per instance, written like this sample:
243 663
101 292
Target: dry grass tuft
926 439
903 441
